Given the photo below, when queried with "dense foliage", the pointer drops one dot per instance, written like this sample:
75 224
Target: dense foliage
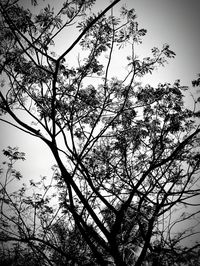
127 154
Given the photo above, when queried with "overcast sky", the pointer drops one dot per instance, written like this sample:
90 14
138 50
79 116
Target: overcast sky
175 22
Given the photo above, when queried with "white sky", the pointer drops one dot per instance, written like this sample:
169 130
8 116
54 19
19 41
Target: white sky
175 22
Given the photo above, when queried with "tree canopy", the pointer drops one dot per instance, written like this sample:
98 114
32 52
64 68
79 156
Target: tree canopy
127 154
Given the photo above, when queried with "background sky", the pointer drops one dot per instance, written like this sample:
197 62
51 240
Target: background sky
175 22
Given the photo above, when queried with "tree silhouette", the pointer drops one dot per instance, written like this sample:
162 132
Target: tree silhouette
126 154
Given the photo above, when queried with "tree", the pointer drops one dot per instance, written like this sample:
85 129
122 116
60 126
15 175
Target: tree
126 154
